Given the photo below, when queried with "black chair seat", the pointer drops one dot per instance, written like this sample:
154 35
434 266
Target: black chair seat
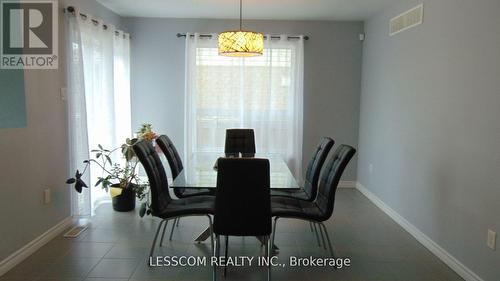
196 205
294 194
187 192
295 208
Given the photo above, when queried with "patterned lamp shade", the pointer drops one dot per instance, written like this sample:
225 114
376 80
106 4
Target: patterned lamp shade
241 43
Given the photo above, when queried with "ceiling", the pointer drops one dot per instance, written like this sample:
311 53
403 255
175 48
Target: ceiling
252 9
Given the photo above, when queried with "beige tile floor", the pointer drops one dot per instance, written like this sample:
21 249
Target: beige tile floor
115 248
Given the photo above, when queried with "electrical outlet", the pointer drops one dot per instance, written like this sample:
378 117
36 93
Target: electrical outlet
64 94
370 168
491 241
46 196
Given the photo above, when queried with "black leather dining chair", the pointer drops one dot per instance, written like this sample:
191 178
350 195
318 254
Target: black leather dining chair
240 141
175 163
310 189
162 205
242 201
321 209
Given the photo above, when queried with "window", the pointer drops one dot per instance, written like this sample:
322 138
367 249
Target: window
231 97
263 93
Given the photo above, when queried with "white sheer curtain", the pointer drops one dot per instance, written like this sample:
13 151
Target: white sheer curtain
77 114
123 115
263 93
98 94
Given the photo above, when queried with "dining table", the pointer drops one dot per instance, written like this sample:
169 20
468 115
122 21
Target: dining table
200 172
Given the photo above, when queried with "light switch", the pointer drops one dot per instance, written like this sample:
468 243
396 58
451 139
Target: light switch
46 196
491 241
64 93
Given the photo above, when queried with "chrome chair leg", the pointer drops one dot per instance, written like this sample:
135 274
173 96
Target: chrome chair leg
316 233
268 249
211 233
311 226
178 220
266 245
172 231
154 240
322 237
332 253
226 249
216 255
273 233
163 233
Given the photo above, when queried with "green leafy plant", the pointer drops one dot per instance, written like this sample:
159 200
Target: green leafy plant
116 175
113 174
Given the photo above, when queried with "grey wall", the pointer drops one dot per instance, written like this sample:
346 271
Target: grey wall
35 157
331 82
430 124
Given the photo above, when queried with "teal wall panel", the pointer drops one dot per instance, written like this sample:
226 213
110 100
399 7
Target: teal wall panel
12 99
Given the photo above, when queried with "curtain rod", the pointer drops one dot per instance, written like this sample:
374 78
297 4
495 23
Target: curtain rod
71 10
272 36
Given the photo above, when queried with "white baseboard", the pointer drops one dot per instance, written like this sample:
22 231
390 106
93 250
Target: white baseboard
427 242
347 184
28 249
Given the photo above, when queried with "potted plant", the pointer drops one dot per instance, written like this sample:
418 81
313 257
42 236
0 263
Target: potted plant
146 132
121 180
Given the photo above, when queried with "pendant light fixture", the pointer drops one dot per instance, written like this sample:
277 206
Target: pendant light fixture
241 43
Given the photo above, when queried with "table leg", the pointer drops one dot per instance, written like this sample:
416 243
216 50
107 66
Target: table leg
263 241
204 235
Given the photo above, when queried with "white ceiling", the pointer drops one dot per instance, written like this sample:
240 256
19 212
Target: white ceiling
252 9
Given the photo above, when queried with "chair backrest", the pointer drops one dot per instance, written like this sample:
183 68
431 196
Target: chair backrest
315 165
240 140
173 158
330 178
242 202
158 184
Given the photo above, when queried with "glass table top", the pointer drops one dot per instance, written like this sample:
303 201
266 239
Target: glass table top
200 172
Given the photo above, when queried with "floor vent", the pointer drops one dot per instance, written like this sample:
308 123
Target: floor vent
406 20
75 231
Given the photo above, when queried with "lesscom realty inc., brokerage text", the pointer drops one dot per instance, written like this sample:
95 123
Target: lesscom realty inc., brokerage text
242 261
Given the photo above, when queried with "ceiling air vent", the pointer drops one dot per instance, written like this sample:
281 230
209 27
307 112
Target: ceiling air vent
406 20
